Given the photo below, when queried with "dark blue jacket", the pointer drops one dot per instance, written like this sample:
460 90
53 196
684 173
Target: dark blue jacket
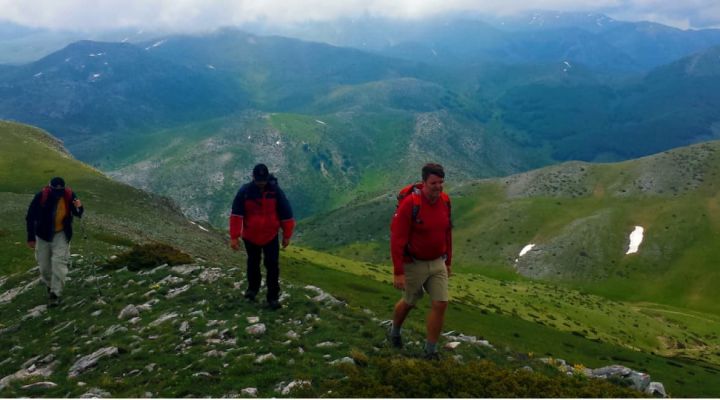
40 216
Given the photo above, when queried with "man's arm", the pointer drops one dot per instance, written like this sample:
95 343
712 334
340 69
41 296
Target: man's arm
236 219
285 214
400 235
77 209
30 219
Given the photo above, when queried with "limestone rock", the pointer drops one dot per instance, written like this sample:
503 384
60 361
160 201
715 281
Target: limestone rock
452 345
29 372
95 393
91 360
656 389
175 292
130 311
256 329
265 357
286 389
40 385
250 392
322 296
163 318
35 312
185 269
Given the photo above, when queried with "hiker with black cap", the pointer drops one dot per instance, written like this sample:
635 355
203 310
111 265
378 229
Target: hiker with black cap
49 230
259 210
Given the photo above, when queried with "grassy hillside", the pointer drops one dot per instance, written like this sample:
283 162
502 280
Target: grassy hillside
190 337
116 214
323 161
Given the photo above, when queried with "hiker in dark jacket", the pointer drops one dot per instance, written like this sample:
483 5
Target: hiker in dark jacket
49 230
259 210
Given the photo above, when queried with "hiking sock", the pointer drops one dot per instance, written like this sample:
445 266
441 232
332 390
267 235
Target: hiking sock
430 347
395 331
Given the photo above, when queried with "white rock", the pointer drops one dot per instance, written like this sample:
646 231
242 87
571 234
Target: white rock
344 360
253 320
452 345
327 344
265 357
163 318
91 360
130 311
256 330
35 312
292 335
656 389
251 391
185 269
184 326
95 393
175 292
285 389
40 385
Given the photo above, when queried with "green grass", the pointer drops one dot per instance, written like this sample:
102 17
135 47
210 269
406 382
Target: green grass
370 285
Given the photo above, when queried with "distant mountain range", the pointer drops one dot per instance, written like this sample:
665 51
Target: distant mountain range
357 121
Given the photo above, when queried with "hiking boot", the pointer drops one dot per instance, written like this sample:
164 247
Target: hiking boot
434 356
53 300
395 341
250 296
274 304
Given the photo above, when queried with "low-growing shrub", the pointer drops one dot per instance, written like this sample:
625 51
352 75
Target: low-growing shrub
412 378
149 256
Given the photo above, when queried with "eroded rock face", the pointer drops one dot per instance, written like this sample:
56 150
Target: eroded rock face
89 361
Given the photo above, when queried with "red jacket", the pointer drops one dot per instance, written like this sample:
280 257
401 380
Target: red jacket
258 215
427 238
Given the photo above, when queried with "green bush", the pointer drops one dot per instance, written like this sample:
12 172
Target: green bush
149 256
400 377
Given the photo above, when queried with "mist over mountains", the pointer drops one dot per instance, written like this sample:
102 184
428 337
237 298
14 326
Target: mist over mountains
512 94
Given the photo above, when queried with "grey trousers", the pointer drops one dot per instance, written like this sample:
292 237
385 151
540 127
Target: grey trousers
53 258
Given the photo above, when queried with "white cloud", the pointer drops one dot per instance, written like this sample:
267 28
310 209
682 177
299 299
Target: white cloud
202 14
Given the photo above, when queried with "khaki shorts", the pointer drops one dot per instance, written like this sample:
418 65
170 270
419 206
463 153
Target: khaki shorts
429 276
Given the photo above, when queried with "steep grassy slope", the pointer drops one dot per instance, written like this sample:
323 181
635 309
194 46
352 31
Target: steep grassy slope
579 216
117 214
190 338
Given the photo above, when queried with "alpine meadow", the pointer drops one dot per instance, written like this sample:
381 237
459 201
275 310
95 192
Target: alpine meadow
582 160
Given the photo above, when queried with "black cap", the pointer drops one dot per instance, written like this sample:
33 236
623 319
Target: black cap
57 183
261 173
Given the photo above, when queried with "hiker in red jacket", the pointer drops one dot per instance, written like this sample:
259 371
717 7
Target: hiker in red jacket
49 230
259 210
421 248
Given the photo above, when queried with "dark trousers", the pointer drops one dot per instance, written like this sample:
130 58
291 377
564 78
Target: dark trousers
271 252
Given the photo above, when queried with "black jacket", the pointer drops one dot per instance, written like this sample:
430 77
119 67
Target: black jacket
40 217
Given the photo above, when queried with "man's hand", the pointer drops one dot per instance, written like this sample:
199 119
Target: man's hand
285 242
449 270
399 282
31 244
234 244
77 203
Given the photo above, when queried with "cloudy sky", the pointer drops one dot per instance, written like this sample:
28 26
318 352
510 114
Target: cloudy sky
93 15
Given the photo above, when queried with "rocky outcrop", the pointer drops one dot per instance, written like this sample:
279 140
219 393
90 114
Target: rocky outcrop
91 360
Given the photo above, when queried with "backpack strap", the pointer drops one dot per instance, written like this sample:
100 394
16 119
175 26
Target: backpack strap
46 193
417 201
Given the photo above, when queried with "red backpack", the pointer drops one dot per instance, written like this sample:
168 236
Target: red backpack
414 191
46 193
